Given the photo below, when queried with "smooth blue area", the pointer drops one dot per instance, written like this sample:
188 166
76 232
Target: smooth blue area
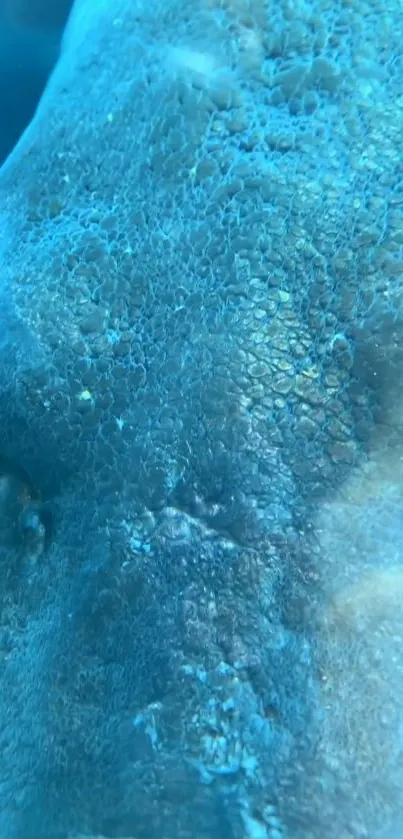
30 34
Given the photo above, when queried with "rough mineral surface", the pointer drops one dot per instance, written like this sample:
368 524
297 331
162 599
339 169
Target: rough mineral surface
201 346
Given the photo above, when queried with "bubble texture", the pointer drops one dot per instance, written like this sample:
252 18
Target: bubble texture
201 256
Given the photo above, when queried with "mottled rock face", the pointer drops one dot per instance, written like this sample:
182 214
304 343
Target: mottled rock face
200 428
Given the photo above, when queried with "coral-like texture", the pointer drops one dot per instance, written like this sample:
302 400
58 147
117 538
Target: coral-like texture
201 262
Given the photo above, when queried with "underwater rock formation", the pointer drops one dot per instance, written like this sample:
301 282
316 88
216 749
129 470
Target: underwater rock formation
200 435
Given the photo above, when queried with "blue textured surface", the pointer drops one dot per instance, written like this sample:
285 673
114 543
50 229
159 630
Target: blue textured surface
200 389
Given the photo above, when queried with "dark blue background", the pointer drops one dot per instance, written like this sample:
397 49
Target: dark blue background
30 32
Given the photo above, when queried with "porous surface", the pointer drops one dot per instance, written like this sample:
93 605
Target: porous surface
201 252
